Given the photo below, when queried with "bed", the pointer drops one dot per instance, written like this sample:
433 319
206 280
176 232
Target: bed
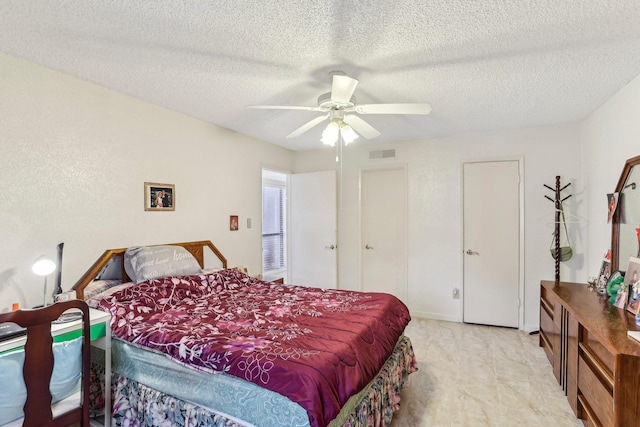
196 345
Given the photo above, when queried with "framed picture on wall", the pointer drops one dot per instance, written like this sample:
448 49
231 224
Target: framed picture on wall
159 197
233 223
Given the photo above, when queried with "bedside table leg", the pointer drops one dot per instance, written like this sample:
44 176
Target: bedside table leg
107 378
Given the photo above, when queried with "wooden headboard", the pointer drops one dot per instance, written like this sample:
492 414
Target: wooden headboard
111 255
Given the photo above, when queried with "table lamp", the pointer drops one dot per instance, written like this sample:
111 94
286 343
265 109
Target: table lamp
43 266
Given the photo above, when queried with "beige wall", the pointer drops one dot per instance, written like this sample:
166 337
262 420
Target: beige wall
74 156
73 160
435 232
609 136
590 155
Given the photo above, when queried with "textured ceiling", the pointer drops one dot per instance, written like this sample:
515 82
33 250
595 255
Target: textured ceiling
482 65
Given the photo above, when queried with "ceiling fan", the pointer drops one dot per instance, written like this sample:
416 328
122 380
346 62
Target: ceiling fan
340 108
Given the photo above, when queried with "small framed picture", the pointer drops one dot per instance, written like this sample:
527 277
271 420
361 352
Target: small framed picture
233 223
159 197
605 272
632 280
622 297
612 204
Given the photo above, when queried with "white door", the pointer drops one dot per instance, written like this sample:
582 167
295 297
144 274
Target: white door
384 231
491 216
312 229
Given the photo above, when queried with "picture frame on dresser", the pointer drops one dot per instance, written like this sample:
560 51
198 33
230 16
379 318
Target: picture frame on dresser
632 280
604 273
622 297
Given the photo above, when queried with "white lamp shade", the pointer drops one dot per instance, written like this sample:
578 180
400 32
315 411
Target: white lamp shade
348 134
330 134
43 266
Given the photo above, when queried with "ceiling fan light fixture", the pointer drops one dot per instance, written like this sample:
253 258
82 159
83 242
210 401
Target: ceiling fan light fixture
348 134
330 134
340 108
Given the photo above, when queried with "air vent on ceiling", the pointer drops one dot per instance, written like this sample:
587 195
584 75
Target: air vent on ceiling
389 153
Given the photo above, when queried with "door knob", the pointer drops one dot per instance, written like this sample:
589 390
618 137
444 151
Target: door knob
470 252
332 247
368 247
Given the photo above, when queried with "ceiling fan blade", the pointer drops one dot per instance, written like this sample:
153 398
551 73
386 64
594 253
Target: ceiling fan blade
362 127
393 109
283 107
305 127
342 88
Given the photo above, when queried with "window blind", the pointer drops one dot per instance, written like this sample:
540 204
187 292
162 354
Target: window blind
273 238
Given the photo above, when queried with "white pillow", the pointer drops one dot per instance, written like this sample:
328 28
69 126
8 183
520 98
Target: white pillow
65 380
151 262
99 286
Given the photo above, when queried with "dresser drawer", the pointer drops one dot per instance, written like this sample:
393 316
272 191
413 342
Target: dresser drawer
547 333
546 300
588 417
594 394
593 346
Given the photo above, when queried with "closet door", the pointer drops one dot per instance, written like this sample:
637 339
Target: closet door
313 259
384 231
491 216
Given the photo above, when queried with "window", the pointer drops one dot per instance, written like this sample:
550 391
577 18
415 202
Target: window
273 224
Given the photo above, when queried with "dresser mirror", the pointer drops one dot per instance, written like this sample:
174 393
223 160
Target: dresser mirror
624 239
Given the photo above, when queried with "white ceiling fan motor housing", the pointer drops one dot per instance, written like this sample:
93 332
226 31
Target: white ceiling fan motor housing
325 101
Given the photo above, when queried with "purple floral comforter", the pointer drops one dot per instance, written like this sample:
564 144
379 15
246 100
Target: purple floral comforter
315 346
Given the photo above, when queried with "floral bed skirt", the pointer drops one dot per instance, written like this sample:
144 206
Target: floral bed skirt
135 404
138 405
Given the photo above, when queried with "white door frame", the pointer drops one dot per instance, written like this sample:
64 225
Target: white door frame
361 172
521 293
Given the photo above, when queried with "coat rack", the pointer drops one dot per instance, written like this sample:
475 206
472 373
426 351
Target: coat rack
557 201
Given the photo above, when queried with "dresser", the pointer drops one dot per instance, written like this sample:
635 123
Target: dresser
596 364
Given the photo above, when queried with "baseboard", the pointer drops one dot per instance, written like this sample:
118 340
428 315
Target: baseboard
434 316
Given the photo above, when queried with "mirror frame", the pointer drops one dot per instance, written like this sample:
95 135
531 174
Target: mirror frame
615 224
